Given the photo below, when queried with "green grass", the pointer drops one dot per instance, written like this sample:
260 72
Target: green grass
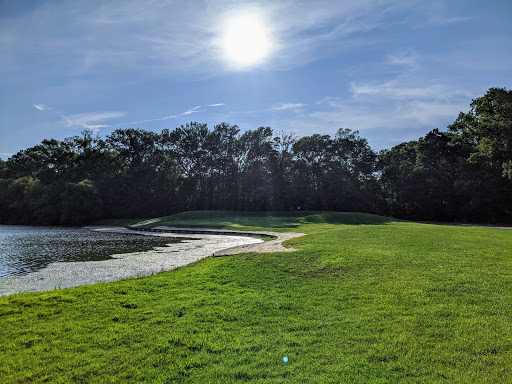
275 221
366 299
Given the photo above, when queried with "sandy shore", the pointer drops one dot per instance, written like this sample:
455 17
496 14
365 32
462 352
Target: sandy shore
121 266
275 245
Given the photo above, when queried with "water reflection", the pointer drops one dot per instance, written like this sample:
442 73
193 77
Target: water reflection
25 249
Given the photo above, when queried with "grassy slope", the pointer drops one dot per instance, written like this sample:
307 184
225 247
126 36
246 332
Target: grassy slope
275 221
366 299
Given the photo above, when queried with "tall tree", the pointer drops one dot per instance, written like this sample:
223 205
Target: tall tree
223 177
399 181
485 134
189 147
352 167
282 171
137 162
50 161
81 203
486 131
312 154
3 168
254 168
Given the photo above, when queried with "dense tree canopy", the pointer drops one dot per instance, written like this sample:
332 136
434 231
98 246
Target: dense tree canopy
462 174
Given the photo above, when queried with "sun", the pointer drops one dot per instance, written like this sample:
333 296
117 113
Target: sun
245 41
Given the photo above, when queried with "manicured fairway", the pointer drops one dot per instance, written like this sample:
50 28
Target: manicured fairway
365 299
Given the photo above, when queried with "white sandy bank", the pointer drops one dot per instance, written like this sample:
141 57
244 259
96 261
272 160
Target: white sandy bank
121 266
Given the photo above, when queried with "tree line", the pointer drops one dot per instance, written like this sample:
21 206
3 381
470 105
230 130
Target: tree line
462 174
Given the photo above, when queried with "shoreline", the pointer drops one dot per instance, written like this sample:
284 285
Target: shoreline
122 266
268 246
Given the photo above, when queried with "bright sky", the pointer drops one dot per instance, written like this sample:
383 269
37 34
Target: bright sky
393 70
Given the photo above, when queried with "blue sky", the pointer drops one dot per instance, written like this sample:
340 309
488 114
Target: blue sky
393 70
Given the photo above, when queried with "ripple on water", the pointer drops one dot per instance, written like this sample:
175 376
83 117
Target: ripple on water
123 265
26 249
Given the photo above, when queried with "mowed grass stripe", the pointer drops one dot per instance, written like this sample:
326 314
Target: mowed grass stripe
365 299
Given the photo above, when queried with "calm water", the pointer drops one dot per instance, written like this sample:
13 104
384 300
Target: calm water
25 249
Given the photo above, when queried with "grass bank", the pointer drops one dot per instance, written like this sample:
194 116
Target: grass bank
365 299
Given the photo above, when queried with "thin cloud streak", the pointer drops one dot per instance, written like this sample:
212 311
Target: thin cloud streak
88 120
5 156
186 113
401 90
406 58
329 100
42 107
83 120
288 106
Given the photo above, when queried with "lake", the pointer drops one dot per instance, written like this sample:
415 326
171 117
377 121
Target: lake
25 249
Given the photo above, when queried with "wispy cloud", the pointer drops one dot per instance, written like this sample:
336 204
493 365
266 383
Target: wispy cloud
329 100
460 19
184 36
385 113
438 20
286 106
186 113
97 120
406 57
5 156
93 121
404 90
409 102
191 111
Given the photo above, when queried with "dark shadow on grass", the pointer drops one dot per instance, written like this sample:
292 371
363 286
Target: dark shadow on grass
346 218
270 220
463 224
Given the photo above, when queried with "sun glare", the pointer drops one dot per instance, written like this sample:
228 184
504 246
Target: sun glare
245 41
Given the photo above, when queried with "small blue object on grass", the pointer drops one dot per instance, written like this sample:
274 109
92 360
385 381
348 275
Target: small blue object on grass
285 359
